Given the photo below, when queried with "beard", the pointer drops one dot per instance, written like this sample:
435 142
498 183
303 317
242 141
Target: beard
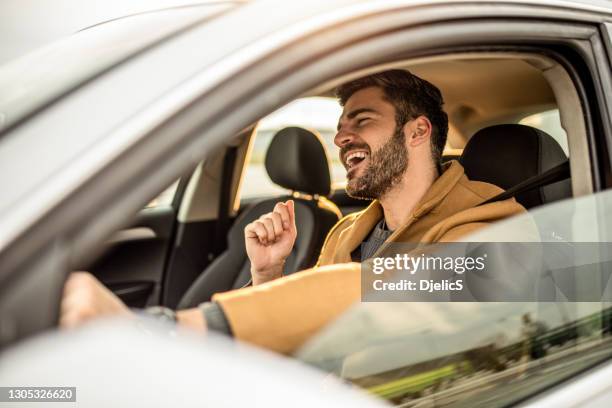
385 169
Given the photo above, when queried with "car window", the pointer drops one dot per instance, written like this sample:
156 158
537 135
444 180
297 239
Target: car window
317 114
321 115
488 353
549 122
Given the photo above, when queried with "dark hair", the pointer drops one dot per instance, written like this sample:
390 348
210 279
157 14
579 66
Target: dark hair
411 96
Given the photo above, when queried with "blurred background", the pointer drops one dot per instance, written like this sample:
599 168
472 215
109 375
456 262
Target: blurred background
29 24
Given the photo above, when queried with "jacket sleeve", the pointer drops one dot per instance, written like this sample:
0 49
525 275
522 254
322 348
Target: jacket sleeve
282 314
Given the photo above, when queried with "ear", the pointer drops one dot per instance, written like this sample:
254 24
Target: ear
418 131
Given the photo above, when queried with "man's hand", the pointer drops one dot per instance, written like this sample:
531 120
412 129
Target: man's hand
86 298
269 241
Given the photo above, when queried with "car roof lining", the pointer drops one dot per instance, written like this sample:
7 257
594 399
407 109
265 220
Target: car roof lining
476 87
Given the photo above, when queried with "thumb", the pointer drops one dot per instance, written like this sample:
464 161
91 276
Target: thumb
291 207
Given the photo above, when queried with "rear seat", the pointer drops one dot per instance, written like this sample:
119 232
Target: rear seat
296 160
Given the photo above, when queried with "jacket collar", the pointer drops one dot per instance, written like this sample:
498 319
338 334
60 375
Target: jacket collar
354 235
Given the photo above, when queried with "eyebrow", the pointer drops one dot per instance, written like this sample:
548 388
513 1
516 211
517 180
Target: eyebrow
356 112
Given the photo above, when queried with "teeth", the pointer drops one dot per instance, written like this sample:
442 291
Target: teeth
360 155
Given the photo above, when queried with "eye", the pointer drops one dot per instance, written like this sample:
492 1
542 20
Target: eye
361 121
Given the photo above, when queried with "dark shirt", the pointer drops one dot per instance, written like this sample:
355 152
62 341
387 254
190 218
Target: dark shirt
377 237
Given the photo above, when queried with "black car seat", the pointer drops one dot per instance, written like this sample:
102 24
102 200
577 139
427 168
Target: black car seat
506 155
295 160
521 159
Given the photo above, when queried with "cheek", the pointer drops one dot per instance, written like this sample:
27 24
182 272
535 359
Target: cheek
371 138
376 145
378 135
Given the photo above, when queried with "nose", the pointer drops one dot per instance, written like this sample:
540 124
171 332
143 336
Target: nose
343 137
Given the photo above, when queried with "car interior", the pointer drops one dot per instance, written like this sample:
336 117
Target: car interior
513 117
251 123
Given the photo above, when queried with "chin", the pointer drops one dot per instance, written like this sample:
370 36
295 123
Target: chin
355 192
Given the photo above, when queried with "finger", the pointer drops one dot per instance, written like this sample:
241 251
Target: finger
249 231
75 280
77 298
291 209
255 231
276 222
269 228
68 302
70 313
72 319
74 310
261 232
68 320
78 288
281 208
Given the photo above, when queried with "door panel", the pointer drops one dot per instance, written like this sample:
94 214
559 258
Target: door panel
133 265
192 252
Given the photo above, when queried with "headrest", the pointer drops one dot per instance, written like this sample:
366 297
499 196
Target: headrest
296 160
506 155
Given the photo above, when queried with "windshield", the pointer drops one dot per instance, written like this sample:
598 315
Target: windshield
487 353
30 82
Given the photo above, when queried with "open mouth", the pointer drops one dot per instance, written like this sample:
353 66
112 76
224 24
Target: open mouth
355 158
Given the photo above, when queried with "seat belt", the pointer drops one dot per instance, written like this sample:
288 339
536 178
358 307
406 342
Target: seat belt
222 225
550 176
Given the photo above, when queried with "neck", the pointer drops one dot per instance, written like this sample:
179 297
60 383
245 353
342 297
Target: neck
400 201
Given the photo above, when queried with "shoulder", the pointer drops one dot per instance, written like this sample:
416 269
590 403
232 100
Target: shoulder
492 211
479 189
475 218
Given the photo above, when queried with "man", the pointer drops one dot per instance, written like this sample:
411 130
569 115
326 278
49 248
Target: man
391 135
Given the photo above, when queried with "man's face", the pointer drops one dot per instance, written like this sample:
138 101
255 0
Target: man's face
372 147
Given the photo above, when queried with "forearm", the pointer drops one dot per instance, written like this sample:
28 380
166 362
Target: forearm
255 316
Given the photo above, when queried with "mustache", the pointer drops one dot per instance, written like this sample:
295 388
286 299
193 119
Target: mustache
352 146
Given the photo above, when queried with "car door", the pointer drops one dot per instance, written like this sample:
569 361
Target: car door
490 353
169 243
134 259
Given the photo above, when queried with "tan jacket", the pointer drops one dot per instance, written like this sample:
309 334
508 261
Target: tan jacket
281 315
